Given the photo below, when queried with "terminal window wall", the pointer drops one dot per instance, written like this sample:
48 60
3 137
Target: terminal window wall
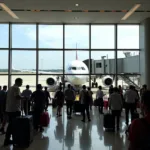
4 33
23 36
3 80
3 62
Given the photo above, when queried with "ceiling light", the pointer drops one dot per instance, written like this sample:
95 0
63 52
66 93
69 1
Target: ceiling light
77 5
9 11
131 11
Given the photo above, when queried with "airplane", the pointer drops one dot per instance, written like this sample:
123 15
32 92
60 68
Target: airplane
77 76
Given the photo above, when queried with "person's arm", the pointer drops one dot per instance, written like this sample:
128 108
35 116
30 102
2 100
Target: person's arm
17 94
49 96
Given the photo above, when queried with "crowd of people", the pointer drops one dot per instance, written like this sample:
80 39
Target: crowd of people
12 102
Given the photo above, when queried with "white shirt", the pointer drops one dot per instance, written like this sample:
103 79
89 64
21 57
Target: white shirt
27 93
130 96
115 101
12 103
99 94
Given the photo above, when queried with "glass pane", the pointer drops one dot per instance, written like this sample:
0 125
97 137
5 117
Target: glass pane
77 60
102 37
3 62
128 62
4 33
24 36
77 36
24 62
50 36
27 80
50 62
128 36
3 80
103 62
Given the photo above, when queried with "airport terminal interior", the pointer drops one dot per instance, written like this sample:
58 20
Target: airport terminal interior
90 42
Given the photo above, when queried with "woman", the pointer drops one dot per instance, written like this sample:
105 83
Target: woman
59 96
91 98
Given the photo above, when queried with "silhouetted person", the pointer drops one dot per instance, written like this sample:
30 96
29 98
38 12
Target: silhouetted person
139 132
130 99
144 88
115 104
69 97
84 99
99 97
3 94
0 88
27 94
47 96
90 96
13 107
38 98
111 89
59 96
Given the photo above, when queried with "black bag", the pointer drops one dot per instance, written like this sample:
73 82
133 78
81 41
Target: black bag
77 107
109 121
22 128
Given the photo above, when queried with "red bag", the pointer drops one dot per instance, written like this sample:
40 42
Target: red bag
45 119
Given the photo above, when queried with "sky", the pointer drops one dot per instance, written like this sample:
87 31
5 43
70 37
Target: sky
76 36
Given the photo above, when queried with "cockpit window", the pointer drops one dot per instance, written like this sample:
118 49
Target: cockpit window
74 68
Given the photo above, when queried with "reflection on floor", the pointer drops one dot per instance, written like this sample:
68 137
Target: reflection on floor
63 134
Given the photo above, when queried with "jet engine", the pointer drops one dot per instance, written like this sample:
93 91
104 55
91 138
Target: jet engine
107 81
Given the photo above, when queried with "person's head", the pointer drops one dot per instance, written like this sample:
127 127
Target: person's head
39 87
69 86
4 88
60 88
18 82
120 87
89 89
45 88
144 86
84 87
0 87
100 87
131 87
146 102
27 87
111 87
115 89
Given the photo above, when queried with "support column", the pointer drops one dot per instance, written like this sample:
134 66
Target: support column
145 52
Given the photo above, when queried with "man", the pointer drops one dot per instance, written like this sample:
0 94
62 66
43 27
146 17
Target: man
47 98
139 132
27 94
3 95
69 97
144 88
99 97
130 99
115 104
38 97
84 99
13 107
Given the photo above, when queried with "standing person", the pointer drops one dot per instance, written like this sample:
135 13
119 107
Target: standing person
27 94
59 96
99 97
139 132
47 96
13 107
38 98
3 95
69 97
115 104
130 99
84 99
110 90
90 96
143 89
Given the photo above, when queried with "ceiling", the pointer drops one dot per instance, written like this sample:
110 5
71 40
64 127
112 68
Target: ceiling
58 11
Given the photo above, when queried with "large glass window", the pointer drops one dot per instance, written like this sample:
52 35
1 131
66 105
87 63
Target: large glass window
4 33
23 62
3 80
77 36
102 36
24 36
103 62
128 37
27 80
50 62
3 61
76 62
50 36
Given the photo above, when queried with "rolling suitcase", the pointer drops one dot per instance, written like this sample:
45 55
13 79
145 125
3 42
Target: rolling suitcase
109 121
77 107
23 131
45 119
